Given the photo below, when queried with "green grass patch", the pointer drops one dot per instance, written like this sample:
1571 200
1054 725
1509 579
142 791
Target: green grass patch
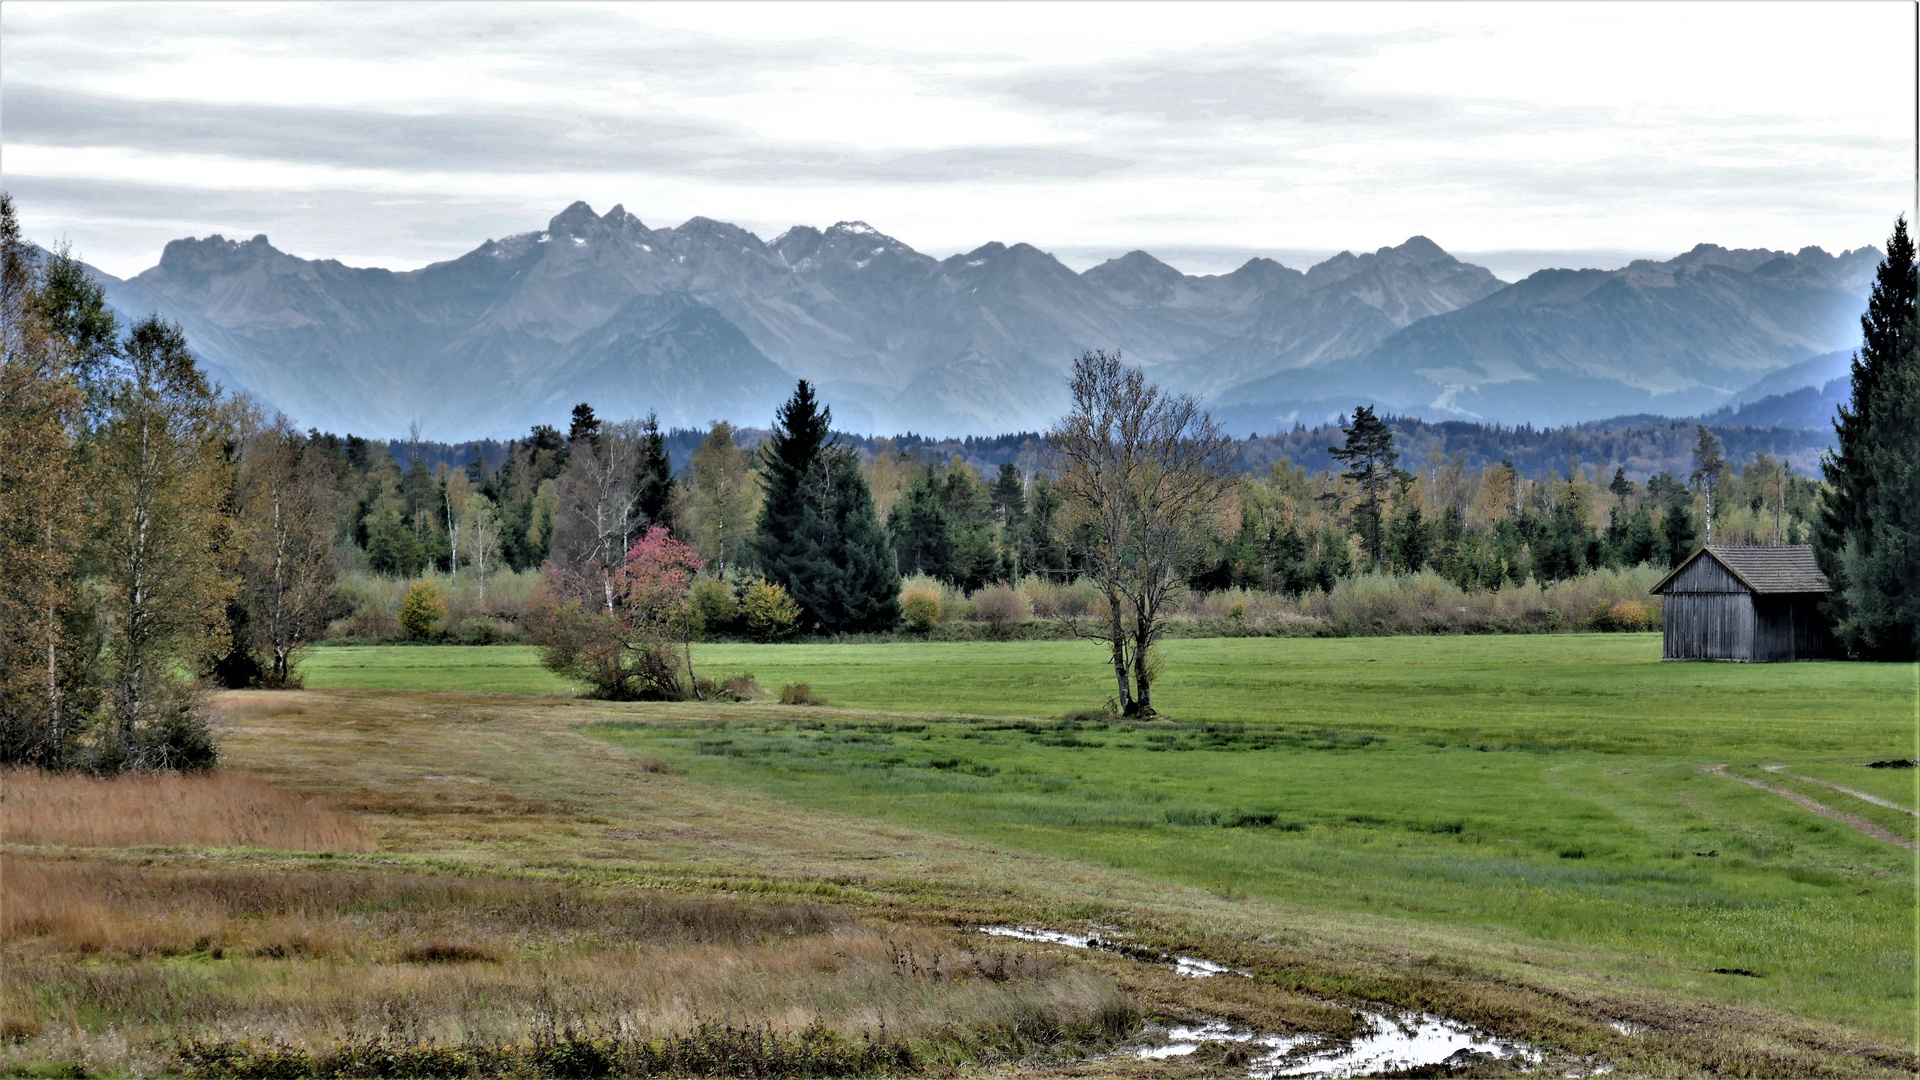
1513 789
499 669
1543 789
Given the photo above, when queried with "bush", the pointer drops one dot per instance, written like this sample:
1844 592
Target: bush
1626 616
739 687
592 647
423 610
483 631
177 739
1001 608
797 694
920 604
713 605
770 614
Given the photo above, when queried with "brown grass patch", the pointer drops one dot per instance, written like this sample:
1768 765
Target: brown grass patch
448 952
219 809
137 911
319 958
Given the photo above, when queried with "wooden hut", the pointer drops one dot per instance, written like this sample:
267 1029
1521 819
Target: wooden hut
1754 604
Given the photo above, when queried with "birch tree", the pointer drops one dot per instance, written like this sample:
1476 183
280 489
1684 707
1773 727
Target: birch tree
1142 473
41 518
481 545
597 516
159 479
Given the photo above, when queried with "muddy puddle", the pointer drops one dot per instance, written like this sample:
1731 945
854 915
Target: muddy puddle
1390 1039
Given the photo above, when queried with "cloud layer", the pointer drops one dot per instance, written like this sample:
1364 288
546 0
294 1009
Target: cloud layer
398 134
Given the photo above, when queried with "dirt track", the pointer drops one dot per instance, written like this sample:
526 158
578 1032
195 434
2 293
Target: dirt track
1825 811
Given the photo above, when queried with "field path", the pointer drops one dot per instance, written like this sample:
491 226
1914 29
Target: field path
1825 811
1874 799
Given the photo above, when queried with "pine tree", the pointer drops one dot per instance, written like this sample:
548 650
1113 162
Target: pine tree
1865 536
585 425
818 536
1370 458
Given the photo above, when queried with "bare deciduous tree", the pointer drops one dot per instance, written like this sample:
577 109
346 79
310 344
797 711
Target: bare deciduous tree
598 515
286 504
482 545
1142 473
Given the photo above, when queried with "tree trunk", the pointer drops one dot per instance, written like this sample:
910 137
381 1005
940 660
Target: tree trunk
1142 677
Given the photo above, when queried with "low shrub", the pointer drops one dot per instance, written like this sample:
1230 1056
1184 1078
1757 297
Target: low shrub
741 687
448 952
770 614
422 611
1001 608
920 604
797 694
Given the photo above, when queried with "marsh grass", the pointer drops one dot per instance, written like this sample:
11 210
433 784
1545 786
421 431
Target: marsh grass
217 809
311 971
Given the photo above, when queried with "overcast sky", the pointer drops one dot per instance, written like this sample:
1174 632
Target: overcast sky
400 134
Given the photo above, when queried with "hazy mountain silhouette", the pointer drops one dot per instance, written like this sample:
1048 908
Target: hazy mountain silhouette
706 321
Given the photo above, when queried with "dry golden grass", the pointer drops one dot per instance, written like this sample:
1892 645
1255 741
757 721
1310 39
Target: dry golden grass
312 958
218 809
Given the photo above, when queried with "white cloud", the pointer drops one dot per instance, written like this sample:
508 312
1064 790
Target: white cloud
1199 127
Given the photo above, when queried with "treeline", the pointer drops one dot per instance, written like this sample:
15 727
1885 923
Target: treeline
1289 530
153 530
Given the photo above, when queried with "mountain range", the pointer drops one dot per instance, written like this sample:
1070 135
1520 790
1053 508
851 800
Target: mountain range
707 321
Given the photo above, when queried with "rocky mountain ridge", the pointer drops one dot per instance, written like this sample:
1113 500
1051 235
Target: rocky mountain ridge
705 321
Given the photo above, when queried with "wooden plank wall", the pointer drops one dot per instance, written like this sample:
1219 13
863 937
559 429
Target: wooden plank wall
1790 627
1706 575
1708 626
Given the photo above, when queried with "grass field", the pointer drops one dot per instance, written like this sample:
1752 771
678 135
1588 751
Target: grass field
501 669
1542 789
1502 830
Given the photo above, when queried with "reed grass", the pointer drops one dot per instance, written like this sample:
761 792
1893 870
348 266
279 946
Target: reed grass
321 962
217 809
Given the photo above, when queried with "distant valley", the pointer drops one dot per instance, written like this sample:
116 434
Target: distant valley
707 321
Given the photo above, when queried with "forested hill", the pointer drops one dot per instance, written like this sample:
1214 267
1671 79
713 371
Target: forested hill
706 321
1643 445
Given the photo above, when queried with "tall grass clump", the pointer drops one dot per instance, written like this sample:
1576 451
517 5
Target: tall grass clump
214 809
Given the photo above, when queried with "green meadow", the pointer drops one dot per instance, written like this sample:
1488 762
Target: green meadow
500 669
1539 790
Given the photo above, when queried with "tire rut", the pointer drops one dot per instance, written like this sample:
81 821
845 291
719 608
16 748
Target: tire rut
1860 825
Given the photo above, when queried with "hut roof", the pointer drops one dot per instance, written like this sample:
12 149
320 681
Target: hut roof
1788 569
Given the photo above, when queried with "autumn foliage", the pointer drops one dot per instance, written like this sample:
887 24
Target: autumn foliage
636 647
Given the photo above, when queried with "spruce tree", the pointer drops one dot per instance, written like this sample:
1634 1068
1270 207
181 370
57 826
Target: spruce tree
818 535
1864 537
856 586
922 530
653 488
